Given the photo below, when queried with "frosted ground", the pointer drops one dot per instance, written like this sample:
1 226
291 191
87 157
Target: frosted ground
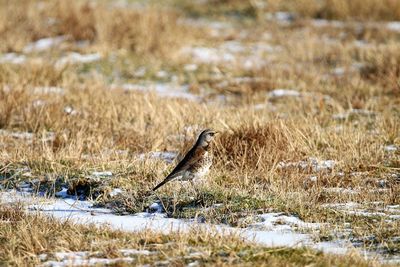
272 230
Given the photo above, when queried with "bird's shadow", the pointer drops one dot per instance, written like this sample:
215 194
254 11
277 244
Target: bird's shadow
178 206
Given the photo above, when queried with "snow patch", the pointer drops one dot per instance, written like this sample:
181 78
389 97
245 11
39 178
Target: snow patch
315 164
208 55
327 23
115 192
354 112
283 18
373 209
282 222
247 56
279 93
43 44
70 111
190 67
276 229
168 156
102 173
391 148
80 258
393 26
340 190
63 193
12 58
75 58
162 89
48 90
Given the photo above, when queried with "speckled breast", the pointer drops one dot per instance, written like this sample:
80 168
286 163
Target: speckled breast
204 165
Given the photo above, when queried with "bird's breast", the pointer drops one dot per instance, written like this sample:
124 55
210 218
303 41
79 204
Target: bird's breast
205 164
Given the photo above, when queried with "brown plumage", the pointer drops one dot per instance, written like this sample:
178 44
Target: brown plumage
196 162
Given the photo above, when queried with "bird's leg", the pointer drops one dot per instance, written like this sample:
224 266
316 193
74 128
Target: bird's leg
175 199
195 189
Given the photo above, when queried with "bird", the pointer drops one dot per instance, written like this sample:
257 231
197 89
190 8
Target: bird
196 162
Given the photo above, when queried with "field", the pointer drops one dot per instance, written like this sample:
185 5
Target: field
100 99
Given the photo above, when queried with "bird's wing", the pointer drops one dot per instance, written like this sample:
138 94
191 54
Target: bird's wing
190 159
182 166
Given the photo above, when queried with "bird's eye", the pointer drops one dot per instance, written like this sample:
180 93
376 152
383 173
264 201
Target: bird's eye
212 134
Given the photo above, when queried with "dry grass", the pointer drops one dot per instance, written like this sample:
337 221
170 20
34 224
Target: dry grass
24 237
99 23
94 124
328 9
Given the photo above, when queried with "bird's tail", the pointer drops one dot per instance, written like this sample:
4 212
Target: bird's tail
160 184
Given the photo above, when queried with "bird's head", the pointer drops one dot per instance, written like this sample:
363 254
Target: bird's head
206 137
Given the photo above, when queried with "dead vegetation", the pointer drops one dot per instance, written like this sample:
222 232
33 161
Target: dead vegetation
320 94
326 9
28 240
99 23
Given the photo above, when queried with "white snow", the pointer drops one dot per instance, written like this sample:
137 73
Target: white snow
190 67
279 93
339 71
315 164
156 207
276 229
313 178
133 252
394 26
17 135
43 44
70 110
355 67
87 258
270 232
115 192
284 18
102 173
239 80
162 74
373 209
235 53
208 55
280 222
354 112
391 148
74 58
63 193
140 72
168 156
265 233
12 58
48 90
82 258
162 89
327 23
44 137
340 190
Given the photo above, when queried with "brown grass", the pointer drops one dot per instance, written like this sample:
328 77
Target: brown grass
109 126
25 236
374 10
102 24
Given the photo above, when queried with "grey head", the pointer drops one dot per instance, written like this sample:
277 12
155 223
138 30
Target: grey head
206 137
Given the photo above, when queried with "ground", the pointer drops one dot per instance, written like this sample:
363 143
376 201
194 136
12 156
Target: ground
100 99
